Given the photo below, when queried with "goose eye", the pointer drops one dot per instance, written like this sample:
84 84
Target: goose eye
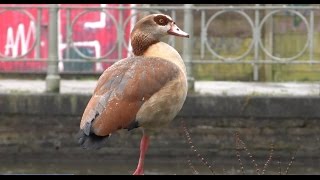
161 20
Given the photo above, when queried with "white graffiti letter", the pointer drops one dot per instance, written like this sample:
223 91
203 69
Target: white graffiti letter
99 24
20 40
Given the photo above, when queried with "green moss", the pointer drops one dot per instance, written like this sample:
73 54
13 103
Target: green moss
73 102
222 71
19 91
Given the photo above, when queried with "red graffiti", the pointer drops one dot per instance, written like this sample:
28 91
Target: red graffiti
94 34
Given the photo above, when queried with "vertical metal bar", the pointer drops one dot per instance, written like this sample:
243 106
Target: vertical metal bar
38 34
268 44
187 43
256 44
203 33
311 35
53 77
69 33
120 32
172 40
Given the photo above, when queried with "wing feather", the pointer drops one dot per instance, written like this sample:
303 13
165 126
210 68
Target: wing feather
122 89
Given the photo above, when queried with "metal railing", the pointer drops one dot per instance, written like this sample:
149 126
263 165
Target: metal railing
258 17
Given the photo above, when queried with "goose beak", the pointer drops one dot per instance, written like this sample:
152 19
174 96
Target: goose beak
176 31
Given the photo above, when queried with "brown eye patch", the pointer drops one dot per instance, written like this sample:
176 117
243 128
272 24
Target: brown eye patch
162 20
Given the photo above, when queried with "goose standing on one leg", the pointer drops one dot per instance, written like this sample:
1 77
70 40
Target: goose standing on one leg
147 90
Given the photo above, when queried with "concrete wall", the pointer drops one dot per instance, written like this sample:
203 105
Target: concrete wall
43 128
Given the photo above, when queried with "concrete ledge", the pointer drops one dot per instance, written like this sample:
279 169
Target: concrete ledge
43 104
251 106
205 106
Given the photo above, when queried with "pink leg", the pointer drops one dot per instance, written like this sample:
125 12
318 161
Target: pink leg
143 149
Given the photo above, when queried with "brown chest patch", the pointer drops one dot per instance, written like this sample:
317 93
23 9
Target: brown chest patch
141 42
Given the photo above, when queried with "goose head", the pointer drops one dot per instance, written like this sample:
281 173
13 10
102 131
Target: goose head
150 29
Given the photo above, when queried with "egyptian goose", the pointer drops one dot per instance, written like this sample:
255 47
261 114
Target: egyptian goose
146 90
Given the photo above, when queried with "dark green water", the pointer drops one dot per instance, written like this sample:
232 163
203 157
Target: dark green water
127 168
